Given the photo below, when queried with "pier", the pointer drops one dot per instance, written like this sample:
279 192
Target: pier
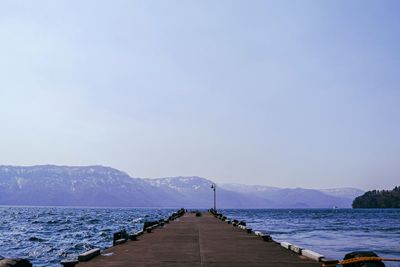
198 240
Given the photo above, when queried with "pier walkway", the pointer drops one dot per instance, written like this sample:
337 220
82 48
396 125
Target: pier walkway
198 241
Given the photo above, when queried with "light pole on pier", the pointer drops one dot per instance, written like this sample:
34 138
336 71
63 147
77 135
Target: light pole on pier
214 187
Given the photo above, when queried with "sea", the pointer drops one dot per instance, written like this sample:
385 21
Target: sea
47 235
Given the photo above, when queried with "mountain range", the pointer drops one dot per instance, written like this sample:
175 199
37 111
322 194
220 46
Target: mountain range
50 185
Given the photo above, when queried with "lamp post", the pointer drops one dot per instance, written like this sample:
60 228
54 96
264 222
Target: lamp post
214 187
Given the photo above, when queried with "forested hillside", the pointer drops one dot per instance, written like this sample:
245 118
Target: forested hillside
379 199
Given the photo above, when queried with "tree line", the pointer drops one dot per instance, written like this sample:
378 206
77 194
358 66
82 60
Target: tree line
379 199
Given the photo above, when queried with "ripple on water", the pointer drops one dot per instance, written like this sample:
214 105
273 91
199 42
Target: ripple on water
331 233
46 235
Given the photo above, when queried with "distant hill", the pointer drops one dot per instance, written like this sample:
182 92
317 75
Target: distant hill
345 192
298 197
379 199
49 185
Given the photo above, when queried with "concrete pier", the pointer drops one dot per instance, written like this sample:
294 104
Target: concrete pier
199 241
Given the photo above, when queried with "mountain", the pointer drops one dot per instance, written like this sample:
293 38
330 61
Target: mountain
104 186
196 192
298 197
242 188
345 192
76 186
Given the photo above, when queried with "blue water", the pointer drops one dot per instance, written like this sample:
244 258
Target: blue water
46 235
330 232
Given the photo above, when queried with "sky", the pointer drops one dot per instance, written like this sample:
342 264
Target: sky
278 93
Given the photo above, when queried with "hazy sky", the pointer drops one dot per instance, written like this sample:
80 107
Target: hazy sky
280 93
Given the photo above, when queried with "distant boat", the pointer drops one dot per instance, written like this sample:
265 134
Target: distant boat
335 207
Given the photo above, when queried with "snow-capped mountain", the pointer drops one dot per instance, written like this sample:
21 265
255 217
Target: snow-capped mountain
242 188
181 184
104 186
75 186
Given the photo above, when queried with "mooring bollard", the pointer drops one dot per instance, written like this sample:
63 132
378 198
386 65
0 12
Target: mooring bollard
120 237
266 238
249 230
161 222
149 226
212 211
258 233
134 237
361 254
69 263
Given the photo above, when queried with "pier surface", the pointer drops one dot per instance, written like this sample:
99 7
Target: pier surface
198 241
